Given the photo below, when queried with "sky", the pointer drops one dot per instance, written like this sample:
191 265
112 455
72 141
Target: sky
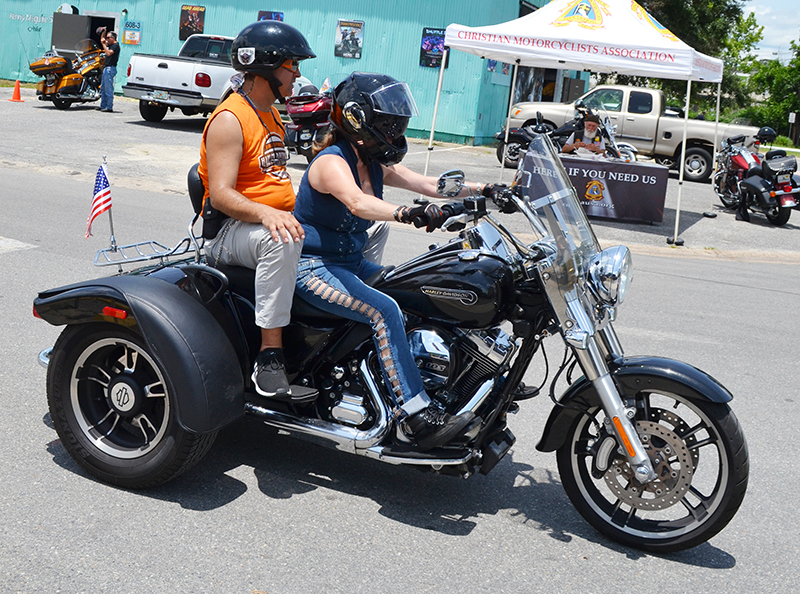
781 22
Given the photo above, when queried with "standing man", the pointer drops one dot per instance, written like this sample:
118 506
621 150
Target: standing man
111 49
243 168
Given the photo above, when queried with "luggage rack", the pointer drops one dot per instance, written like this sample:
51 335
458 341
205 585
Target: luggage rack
144 251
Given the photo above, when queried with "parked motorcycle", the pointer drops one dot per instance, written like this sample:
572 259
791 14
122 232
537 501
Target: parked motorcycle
746 181
153 362
309 111
520 138
70 81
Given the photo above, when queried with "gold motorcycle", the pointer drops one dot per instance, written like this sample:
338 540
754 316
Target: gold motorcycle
70 81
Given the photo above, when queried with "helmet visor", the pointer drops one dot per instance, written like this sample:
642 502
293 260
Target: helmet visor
394 99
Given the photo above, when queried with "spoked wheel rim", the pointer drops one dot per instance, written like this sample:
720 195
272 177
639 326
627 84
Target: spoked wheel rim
695 165
688 454
119 398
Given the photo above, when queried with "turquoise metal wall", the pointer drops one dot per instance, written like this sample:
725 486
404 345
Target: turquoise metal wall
471 108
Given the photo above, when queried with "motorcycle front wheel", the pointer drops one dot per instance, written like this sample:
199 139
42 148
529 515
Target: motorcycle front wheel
729 195
516 146
113 407
698 452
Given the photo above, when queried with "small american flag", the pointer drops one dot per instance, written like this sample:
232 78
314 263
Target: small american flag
102 198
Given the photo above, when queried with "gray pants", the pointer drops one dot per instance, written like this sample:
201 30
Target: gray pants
251 245
377 236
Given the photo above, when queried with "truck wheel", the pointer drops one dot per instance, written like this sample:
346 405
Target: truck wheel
113 406
152 112
697 167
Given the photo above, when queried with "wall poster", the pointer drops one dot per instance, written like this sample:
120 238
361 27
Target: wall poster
132 33
192 20
349 39
268 15
432 48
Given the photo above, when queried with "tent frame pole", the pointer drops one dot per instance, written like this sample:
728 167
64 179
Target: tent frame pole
436 109
675 239
508 118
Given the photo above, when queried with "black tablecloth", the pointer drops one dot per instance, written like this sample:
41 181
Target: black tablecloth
617 190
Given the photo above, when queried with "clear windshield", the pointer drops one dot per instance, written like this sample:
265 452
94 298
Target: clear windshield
84 46
554 211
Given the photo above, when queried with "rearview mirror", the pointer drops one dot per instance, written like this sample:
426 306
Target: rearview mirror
450 183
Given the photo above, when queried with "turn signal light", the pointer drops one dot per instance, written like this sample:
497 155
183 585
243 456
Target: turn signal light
201 79
114 312
624 437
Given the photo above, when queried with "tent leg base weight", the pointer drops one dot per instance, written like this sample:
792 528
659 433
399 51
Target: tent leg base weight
675 241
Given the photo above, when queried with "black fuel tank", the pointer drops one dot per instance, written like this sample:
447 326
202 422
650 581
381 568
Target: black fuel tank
468 287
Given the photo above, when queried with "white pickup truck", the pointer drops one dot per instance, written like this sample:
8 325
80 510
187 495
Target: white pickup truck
641 119
193 81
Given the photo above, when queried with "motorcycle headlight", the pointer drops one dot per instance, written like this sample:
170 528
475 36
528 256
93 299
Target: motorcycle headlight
610 274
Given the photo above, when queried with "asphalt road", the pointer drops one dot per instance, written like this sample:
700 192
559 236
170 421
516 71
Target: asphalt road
264 513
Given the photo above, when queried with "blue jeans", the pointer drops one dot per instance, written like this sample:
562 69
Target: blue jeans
107 87
339 289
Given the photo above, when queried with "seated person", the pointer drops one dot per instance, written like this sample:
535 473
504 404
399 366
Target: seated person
588 140
340 195
243 168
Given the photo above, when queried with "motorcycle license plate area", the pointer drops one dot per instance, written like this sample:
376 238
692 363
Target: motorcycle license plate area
305 135
784 178
161 95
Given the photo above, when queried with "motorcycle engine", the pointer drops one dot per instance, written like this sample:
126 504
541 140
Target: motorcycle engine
460 361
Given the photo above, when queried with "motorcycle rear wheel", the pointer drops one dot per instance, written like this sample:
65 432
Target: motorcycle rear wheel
778 216
62 103
729 196
113 408
699 453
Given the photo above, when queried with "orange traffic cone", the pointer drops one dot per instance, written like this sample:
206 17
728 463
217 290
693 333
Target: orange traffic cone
15 97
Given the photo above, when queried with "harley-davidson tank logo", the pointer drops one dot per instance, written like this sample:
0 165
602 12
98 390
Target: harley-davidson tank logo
584 13
465 297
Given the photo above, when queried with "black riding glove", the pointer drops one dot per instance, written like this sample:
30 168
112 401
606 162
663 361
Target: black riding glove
427 215
489 190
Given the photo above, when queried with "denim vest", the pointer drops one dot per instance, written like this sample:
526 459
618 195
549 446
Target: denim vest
332 231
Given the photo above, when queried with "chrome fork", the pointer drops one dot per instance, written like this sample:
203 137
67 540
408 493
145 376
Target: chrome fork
592 360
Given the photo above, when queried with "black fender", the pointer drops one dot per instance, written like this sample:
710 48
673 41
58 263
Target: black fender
631 374
179 332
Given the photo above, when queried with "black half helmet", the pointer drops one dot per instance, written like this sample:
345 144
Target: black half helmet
262 47
766 135
372 111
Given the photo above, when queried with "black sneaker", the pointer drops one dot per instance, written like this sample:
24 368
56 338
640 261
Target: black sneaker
269 374
433 427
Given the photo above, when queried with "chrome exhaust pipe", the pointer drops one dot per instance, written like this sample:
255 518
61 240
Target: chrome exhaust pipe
332 435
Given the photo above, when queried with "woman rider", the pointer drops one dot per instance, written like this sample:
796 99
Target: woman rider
340 195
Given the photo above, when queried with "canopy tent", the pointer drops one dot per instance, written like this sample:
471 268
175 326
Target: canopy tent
606 36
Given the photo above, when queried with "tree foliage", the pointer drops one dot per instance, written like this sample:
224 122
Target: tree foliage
780 87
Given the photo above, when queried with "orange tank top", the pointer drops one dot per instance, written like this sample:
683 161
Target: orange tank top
262 171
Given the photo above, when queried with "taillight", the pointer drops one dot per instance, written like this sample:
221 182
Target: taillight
201 79
787 188
36 313
129 70
114 312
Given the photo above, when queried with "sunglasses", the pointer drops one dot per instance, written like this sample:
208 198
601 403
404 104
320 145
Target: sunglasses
293 65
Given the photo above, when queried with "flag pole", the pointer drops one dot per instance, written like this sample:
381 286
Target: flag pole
110 218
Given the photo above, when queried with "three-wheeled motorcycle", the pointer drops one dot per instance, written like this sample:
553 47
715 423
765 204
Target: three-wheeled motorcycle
154 361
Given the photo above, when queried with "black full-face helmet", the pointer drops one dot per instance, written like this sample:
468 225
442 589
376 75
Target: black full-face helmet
766 135
372 111
264 46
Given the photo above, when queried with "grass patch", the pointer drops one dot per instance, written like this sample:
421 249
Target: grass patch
11 83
